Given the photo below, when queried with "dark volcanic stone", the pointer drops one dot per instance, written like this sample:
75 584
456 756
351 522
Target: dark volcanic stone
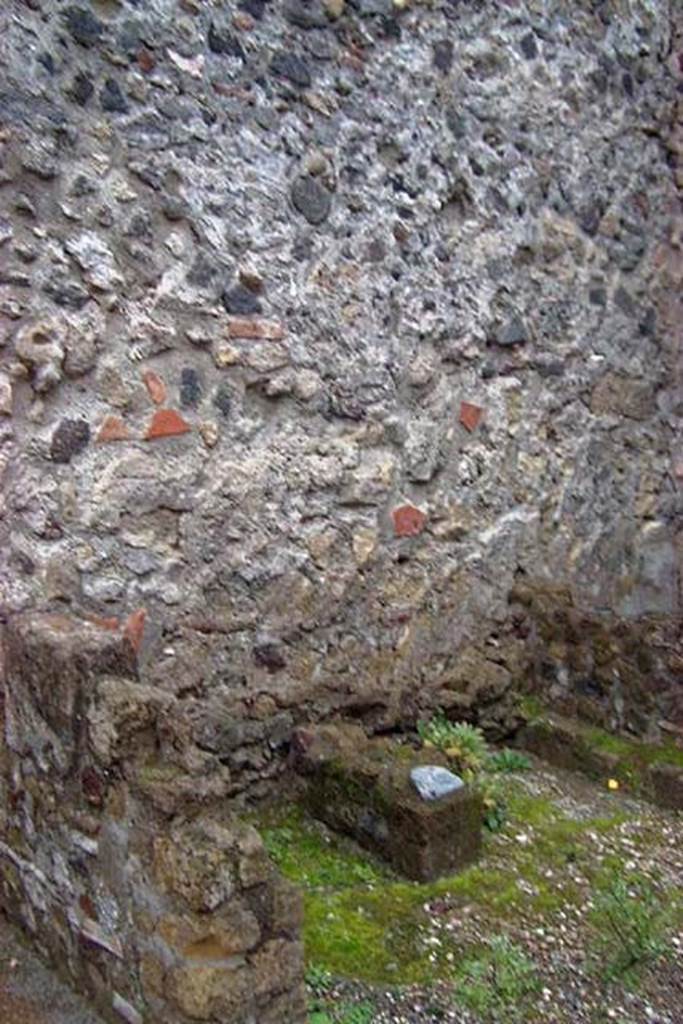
66 292
241 301
83 26
190 388
291 67
306 14
589 217
202 272
270 656
223 400
112 99
81 89
47 61
456 122
443 55
528 46
512 333
224 42
311 199
389 28
255 7
70 438
648 324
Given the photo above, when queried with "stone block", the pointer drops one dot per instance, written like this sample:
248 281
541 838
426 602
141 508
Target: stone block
363 788
52 664
667 785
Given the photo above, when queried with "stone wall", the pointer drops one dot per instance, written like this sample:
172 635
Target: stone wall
146 893
323 324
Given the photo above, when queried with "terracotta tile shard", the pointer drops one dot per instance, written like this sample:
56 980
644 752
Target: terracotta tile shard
113 429
103 623
134 628
247 327
146 61
408 521
470 415
166 423
155 386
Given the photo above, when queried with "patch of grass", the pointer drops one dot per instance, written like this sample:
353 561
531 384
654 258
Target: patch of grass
633 752
632 922
499 983
318 980
358 1013
373 935
361 921
306 854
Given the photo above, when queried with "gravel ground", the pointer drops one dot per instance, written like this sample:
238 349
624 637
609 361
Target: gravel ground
572 988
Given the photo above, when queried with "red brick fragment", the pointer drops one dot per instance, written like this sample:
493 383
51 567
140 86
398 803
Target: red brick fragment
247 327
103 623
470 415
93 790
155 386
408 521
146 61
166 423
87 906
113 429
134 628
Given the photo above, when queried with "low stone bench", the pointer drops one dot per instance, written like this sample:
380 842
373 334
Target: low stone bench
363 788
641 768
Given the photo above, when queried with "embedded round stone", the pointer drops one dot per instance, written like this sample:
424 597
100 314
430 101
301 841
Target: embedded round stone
433 782
69 439
311 199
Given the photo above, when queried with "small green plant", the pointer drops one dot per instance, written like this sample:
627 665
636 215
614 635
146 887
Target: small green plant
631 922
360 1013
507 761
464 744
318 980
499 982
495 805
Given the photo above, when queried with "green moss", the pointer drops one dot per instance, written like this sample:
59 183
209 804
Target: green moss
308 854
531 708
533 810
362 922
634 752
374 935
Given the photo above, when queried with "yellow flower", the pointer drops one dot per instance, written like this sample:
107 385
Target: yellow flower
613 784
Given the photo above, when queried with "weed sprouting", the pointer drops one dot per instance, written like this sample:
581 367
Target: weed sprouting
499 982
631 923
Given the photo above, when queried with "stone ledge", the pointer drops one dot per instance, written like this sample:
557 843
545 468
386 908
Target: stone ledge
362 787
651 772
